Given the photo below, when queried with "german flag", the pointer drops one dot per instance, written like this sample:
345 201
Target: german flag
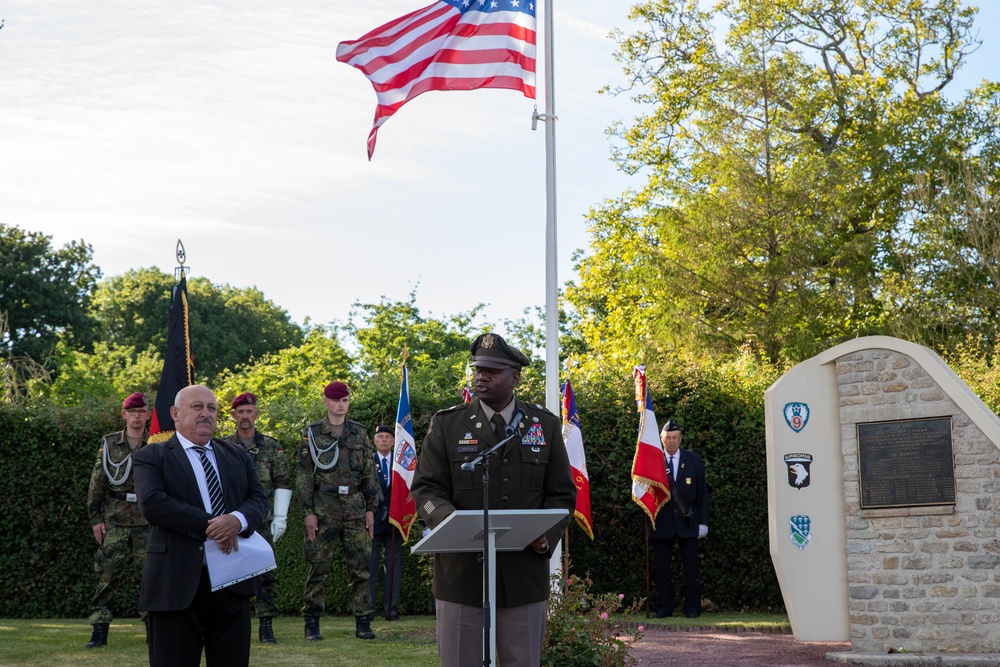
178 365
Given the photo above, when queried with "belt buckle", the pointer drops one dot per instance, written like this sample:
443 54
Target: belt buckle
343 490
130 497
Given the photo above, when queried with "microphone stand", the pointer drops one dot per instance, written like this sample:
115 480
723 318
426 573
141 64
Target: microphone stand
489 540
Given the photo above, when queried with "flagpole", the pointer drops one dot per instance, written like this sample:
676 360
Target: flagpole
551 259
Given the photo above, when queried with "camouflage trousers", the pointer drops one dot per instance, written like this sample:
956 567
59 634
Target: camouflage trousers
123 545
356 545
265 604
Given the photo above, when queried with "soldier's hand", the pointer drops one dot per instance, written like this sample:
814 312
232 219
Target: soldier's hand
278 525
224 529
370 524
311 526
99 530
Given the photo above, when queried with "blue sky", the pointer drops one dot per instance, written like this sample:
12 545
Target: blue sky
230 124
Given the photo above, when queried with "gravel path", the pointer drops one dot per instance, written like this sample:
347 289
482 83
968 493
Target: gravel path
730 649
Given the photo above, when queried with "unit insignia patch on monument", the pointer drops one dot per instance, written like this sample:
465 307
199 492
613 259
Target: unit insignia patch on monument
797 415
798 470
800 535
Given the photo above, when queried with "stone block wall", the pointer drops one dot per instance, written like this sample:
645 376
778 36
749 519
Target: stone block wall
925 579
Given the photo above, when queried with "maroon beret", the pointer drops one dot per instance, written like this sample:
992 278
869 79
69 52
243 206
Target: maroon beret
136 400
336 390
382 428
245 398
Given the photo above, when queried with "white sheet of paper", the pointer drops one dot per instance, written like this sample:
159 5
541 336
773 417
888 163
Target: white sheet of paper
254 557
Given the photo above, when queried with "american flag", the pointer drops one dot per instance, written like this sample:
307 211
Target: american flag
467 394
402 507
449 45
650 487
573 437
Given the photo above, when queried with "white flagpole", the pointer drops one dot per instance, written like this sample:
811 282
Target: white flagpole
551 259
552 401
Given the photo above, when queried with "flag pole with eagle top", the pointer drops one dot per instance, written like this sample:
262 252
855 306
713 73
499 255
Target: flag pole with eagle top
178 364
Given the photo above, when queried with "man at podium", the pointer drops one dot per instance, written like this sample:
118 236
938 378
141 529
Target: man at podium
532 472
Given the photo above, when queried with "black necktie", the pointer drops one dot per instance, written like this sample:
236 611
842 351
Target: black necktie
499 426
214 487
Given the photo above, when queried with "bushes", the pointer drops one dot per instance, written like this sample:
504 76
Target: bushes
46 567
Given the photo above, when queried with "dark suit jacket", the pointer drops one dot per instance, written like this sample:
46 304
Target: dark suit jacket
382 511
692 490
168 497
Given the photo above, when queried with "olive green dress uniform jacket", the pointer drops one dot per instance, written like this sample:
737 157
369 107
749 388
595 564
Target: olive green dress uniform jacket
317 488
270 462
105 501
533 472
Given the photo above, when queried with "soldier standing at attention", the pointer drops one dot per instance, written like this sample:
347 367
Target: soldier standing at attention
119 528
272 468
338 494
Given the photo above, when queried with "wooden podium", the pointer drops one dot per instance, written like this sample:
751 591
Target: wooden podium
509 530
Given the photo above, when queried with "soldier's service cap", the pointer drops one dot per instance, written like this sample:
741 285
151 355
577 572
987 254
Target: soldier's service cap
246 398
382 428
670 426
336 390
491 351
136 400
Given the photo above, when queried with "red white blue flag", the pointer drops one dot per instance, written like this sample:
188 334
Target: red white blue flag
449 45
573 437
650 487
402 507
467 394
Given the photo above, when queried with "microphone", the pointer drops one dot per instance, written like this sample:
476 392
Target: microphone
515 422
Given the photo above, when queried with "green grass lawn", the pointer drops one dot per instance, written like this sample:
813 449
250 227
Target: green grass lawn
407 643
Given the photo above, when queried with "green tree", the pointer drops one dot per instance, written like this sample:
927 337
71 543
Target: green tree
44 293
778 159
229 326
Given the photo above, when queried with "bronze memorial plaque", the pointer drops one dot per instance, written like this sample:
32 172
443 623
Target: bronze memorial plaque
906 463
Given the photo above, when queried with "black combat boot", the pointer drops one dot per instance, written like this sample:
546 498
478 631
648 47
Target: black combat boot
99 637
266 632
312 629
363 627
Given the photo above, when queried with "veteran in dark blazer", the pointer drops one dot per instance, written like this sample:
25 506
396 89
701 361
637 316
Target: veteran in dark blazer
532 472
683 520
181 500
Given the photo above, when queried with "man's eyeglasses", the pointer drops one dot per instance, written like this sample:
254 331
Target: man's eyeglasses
137 412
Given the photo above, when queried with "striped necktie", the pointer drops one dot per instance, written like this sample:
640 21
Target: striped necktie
212 479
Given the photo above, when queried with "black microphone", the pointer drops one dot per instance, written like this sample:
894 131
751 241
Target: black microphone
515 422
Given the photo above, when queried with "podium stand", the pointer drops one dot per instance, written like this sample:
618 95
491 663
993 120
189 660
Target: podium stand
510 530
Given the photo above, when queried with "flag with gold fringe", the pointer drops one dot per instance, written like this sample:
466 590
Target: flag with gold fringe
650 487
178 367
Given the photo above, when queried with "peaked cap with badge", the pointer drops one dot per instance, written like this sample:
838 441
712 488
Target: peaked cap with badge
491 351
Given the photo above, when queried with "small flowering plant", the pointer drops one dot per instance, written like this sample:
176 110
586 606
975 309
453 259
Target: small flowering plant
580 630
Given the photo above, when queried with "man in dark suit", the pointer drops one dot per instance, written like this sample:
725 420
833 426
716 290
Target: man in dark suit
178 487
684 520
387 542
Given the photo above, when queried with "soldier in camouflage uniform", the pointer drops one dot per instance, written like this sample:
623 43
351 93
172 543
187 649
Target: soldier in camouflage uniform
118 527
338 494
272 469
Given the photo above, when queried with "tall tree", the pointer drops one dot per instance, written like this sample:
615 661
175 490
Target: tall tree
229 326
44 293
777 159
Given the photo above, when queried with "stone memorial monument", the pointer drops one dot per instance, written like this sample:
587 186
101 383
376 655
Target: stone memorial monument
883 479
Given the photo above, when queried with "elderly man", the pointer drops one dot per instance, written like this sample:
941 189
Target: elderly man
532 472
118 526
194 488
338 494
684 520
272 468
